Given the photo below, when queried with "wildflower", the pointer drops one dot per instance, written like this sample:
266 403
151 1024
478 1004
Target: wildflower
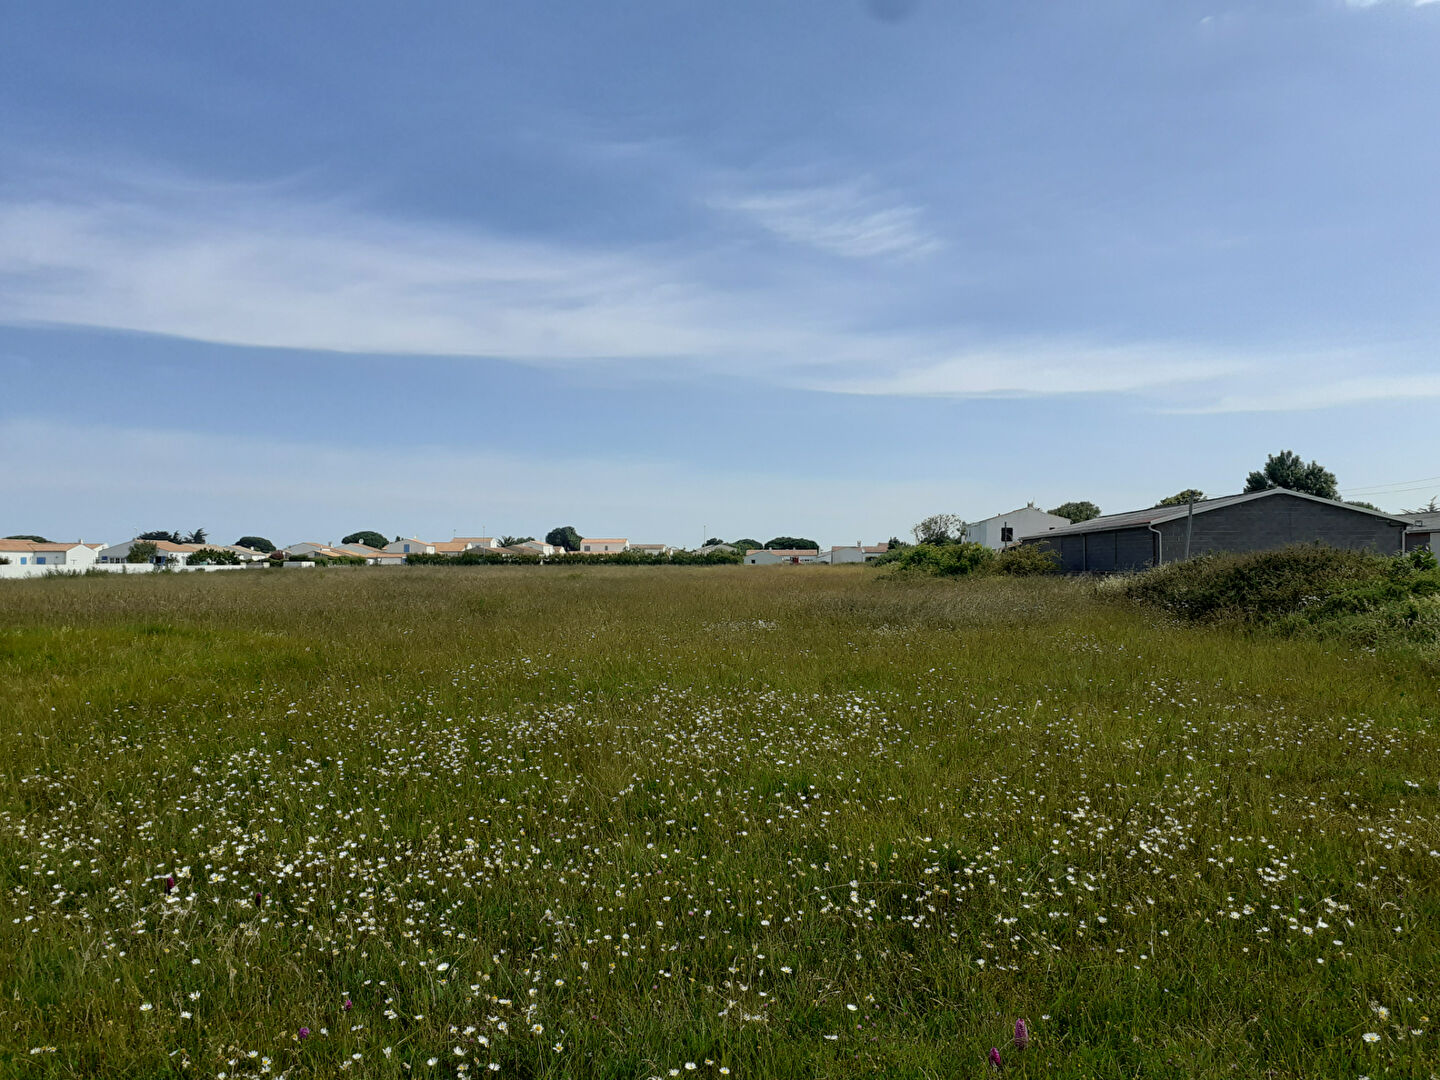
146 1006
1022 1035
995 1057
348 1005
1370 1037
304 1033
169 884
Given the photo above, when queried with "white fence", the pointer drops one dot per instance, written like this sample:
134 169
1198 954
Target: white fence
15 570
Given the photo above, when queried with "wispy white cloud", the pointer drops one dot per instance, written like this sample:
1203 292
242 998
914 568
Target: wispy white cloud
261 265
1042 368
1325 393
841 220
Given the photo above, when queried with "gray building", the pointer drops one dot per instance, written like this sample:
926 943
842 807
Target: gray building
1258 521
1424 531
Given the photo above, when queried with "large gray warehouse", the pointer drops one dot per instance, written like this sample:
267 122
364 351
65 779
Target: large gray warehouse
1255 522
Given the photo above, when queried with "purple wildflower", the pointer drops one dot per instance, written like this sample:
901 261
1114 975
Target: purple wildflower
995 1057
169 884
304 1033
1022 1035
348 1005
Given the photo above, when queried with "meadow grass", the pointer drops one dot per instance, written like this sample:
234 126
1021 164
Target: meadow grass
788 822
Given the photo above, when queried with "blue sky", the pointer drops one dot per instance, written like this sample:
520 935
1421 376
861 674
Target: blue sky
670 269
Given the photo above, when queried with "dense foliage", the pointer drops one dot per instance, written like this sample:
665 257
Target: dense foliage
1183 498
1288 470
564 538
209 556
141 551
1305 589
791 543
1077 511
28 536
368 537
259 543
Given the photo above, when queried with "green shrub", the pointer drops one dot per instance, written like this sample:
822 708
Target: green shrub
1359 596
943 560
1026 560
214 557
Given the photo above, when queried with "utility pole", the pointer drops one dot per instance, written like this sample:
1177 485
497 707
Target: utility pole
1189 525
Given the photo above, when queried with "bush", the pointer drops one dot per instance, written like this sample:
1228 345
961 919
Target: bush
142 552
943 560
214 557
1026 560
1319 591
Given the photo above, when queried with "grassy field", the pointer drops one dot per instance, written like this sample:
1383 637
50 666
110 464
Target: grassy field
723 822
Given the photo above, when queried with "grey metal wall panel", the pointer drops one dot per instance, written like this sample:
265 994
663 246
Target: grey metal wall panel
1264 524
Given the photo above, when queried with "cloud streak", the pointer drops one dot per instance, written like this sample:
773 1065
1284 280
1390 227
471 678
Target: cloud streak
261 266
839 220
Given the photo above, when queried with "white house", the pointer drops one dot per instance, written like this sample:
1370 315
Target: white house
724 549
165 552
76 556
411 546
860 553
365 551
603 546
1004 530
652 549
781 556
535 547
312 547
246 555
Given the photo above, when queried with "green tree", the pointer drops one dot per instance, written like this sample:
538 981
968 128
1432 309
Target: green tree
255 543
712 542
142 551
368 537
1181 498
1077 511
161 534
792 543
1432 507
745 543
28 536
511 541
565 537
1288 470
940 529
1364 505
199 536
213 556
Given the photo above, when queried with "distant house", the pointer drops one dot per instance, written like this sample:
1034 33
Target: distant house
1424 531
535 547
245 554
411 546
724 549
1005 530
364 551
591 545
76 556
652 549
860 553
311 547
464 543
166 553
781 556
1257 521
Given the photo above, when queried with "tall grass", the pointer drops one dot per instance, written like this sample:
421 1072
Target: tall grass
766 822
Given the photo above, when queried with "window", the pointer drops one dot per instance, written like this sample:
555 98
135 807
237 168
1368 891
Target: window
407 548
1007 534
23 560
39 560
